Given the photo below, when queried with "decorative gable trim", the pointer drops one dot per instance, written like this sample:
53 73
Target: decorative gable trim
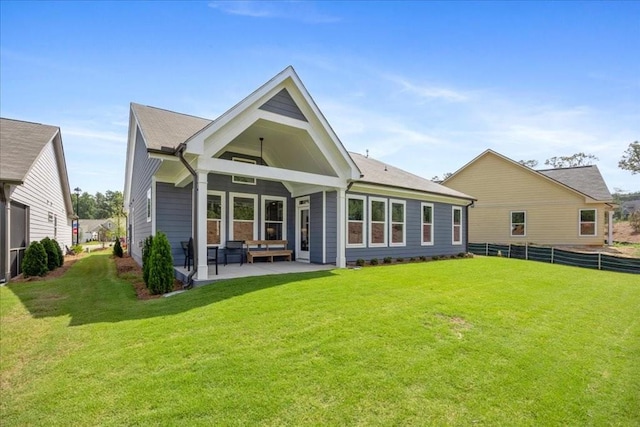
282 103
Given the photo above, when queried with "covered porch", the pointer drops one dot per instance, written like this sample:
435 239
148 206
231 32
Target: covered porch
235 271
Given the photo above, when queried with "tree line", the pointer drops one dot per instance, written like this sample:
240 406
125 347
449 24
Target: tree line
99 206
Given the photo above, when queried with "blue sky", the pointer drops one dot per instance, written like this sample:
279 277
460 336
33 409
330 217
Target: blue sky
425 86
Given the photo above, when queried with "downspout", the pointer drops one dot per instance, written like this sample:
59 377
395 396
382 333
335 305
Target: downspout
466 224
194 210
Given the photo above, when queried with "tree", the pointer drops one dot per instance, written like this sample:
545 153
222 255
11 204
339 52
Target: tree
529 163
631 158
87 206
117 248
578 159
161 274
34 262
444 176
52 254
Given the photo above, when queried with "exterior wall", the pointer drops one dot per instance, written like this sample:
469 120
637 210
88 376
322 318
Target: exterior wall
442 237
552 212
143 170
173 216
316 213
42 193
283 104
331 222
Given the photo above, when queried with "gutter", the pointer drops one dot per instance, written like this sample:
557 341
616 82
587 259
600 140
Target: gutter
466 224
179 152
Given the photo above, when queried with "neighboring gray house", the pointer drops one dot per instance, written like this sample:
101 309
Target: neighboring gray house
95 229
629 207
272 168
35 201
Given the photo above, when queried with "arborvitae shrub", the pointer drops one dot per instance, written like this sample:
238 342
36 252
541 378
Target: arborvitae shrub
387 260
35 260
60 254
117 248
146 254
161 274
52 253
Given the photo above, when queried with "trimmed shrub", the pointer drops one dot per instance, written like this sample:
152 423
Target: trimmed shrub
387 260
360 262
423 258
374 261
399 259
77 249
161 273
35 260
60 254
52 253
435 258
117 248
146 254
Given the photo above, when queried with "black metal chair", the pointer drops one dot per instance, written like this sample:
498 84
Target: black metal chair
187 248
212 258
233 247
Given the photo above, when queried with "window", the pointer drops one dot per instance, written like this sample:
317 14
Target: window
518 223
587 222
243 179
274 214
397 215
456 222
215 217
50 216
377 222
357 212
427 224
243 213
149 205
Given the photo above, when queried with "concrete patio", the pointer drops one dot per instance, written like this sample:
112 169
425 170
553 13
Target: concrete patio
234 271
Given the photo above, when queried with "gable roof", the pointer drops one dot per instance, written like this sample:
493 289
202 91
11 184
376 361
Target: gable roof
585 180
377 172
164 128
20 145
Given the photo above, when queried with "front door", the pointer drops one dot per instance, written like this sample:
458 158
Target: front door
302 229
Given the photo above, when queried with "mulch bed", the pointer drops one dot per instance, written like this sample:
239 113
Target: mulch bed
128 269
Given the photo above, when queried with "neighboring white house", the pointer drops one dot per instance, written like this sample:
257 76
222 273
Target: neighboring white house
35 200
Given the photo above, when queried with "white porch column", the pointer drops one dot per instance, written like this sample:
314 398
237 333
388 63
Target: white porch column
610 229
203 270
341 241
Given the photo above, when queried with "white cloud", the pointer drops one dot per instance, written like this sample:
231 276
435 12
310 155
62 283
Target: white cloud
290 10
428 92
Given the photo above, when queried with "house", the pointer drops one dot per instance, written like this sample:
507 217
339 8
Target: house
629 207
272 168
517 204
96 229
35 200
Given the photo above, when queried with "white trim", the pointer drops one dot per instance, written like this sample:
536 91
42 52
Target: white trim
232 196
302 203
324 227
149 205
382 190
386 221
243 160
595 222
223 216
453 210
154 197
263 205
511 223
364 221
422 223
404 222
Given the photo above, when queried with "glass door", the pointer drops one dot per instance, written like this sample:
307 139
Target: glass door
302 230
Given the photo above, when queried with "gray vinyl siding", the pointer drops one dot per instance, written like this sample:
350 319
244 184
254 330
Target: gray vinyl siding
283 104
316 213
42 193
413 248
331 234
173 216
4 247
143 169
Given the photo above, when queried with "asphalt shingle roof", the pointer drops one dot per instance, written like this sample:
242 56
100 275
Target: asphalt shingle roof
20 145
585 179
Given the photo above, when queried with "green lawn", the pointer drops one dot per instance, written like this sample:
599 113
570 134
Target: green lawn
484 341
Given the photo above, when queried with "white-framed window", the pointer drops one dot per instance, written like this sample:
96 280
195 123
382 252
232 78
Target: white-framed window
274 218
518 224
149 205
398 216
243 179
244 216
427 223
215 217
356 217
377 221
456 225
588 222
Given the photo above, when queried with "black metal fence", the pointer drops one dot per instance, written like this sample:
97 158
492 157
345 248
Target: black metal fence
598 261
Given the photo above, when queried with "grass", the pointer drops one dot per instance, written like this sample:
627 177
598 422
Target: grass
473 341
636 247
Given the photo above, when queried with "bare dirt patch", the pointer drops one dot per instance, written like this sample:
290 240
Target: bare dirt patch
69 260
623 232
128 269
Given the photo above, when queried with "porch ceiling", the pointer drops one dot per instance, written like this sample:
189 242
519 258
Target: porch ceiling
284 147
